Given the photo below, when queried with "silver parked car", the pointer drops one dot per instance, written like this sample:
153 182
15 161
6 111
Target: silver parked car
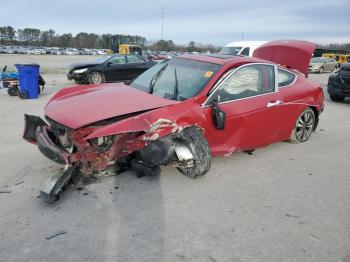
322 64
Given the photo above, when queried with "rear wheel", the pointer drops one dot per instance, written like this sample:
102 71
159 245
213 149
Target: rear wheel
195 141
96 78
337 98
304 126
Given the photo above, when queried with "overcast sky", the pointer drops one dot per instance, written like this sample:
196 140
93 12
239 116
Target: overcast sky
217 22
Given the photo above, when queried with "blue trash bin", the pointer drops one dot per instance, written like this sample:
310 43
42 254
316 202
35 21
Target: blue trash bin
28 75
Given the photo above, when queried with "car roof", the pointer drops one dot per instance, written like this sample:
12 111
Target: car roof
223 59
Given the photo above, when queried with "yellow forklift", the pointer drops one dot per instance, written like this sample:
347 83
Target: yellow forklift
126 44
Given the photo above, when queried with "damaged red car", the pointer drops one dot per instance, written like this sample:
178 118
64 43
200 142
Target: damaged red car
182 112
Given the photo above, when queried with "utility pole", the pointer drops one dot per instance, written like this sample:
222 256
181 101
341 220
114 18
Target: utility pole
242 36
162 20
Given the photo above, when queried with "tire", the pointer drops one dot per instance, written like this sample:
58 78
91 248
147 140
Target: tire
321 70
13 91
304 126
23 95
96 78
337 98
193 138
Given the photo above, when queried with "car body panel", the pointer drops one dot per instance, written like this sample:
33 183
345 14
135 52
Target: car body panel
243 118
289 53
77 107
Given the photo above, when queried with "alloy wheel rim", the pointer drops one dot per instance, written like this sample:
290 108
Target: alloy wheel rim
304 126
96 79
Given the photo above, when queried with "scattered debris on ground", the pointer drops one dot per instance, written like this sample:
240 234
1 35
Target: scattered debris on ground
5 191
315 236
19 182
294 216
55 234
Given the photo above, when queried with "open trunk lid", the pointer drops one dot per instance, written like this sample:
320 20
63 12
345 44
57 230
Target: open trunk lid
294 54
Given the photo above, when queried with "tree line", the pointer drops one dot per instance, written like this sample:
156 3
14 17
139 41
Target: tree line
36 37
49 38
344 46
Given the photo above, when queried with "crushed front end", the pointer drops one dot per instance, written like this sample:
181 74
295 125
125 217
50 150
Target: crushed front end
143 151
67 146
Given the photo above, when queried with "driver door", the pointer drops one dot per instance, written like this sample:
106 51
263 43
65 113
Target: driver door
114 68
251 102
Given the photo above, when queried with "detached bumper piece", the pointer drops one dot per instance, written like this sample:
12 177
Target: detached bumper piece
55 184
31 124
47 147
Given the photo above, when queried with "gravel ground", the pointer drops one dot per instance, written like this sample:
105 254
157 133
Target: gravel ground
49 64
286 202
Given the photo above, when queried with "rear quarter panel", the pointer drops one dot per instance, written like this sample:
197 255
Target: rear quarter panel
297 97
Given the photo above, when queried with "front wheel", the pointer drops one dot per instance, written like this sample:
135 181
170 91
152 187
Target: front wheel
321 70
194 140
304 126
96 78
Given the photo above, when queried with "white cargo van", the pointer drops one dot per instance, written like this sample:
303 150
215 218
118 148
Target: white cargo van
241 48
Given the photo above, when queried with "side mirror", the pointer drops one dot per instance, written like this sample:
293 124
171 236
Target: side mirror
219 116
109 63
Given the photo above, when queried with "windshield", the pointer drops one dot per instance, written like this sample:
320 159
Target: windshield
230 50
317 60
176 79
102 59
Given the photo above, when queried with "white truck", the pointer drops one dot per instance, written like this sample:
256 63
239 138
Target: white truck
241 48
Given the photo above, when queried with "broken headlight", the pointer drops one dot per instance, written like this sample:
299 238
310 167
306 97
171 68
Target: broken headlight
102 143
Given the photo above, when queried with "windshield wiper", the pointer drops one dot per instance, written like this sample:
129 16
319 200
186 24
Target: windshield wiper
176 87
155 79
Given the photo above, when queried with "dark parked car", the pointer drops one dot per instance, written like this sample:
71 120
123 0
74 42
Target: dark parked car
339 83
110 69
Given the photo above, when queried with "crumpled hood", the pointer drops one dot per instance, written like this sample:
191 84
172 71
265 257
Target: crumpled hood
79 106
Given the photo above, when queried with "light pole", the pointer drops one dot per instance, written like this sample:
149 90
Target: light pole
162 20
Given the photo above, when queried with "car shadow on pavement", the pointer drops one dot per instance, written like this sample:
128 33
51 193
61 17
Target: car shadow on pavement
140 211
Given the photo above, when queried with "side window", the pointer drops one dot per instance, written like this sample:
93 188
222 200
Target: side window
245 51
132 59
285 78
117 60
251 80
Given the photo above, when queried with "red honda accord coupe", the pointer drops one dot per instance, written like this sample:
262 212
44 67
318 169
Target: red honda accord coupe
182 112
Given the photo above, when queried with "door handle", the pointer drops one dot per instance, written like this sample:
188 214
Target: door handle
274 103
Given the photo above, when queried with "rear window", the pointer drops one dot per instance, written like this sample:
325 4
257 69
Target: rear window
245 51
284 78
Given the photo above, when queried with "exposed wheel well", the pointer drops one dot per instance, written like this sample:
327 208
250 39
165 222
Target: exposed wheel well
314 109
